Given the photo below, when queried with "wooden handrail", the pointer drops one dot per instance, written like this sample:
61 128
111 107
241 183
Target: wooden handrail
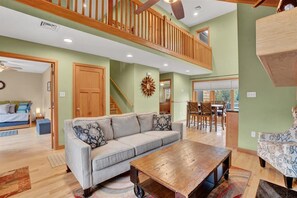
150 28
121 92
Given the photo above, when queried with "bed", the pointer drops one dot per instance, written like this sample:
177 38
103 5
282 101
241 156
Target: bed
16 119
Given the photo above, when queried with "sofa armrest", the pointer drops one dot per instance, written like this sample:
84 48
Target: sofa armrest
275 137
78 156
176 126
290 149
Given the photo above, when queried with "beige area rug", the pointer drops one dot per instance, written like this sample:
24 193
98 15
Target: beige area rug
121 187
56 159
14 182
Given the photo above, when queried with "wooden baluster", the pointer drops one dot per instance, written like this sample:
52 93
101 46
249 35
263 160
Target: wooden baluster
134 16
142 25
149 25
59 2
130 21
138 24
90 8
75 5
68 4
153 29
121 2
83 7
146 24
116 14
126 15
164 32
96 10
110 12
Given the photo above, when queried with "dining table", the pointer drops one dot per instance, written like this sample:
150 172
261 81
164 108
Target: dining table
215 108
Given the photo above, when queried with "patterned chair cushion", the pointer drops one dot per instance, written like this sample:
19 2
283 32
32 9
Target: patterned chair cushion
162 123
91 134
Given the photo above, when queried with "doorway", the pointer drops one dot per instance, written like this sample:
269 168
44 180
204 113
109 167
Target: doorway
52 87
165 97
88 90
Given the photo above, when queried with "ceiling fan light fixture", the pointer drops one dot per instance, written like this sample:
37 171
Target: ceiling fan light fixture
170 1
1 69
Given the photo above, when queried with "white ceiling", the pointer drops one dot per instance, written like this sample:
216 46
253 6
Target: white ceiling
27 66
25 27
209 9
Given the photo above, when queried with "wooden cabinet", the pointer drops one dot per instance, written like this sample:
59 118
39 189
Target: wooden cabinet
232 129
276 38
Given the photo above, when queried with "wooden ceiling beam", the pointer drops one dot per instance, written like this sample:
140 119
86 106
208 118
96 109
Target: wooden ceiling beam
271 3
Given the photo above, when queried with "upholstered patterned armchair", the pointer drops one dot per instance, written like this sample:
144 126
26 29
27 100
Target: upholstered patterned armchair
280 150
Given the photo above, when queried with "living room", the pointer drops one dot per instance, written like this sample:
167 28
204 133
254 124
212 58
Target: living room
232 42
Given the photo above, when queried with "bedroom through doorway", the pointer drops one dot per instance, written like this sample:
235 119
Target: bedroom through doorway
28 99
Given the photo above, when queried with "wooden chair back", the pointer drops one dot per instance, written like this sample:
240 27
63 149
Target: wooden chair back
193 106
206 108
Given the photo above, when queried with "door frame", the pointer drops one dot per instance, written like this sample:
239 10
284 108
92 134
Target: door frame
170 93
74 85
54 64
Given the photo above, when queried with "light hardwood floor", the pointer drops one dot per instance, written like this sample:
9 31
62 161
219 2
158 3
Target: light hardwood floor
29 149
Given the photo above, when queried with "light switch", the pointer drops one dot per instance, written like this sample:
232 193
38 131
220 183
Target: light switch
251 94
62 94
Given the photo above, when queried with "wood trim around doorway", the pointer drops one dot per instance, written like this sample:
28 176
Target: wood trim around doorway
73 85
171 101
55 132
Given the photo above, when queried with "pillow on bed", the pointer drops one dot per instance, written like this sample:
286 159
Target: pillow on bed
11 108
4 109
23 108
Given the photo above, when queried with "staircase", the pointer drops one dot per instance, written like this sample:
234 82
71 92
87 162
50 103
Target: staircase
114 108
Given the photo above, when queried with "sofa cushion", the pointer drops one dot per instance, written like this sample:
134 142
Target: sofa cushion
141 142
124 125
4 108
91 134
104 122
146 121
162 122
166 136
112 153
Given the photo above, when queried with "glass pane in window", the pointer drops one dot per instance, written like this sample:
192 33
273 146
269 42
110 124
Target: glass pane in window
203 36
236 99
224 95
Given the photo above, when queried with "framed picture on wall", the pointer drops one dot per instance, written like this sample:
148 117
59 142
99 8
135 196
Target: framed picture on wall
49 86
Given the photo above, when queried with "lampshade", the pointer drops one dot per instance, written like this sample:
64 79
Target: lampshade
37 110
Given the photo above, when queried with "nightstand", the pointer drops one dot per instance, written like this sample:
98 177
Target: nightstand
39 117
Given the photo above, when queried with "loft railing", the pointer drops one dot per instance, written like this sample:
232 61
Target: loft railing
118 17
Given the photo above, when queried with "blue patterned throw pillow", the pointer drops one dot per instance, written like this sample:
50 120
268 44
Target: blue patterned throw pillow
91 134
23 108
162 123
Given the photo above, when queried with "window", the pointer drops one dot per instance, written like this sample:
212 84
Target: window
203 35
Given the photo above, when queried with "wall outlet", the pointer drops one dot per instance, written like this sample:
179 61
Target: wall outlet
62 94
253 134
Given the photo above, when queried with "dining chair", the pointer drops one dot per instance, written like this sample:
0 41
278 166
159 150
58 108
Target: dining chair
193 111
221 112
206 113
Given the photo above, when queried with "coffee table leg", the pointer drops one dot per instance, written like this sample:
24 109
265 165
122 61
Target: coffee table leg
138 191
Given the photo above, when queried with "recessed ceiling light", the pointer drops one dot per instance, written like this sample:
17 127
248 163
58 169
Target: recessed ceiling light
85 5
67 40
162 84
129 56
165 65
187 71
195 13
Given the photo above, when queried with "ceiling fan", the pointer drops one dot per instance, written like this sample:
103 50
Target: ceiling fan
283 5
176 6
9 66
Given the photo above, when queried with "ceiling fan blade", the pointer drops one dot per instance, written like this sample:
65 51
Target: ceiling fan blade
146 6
258 3
178 9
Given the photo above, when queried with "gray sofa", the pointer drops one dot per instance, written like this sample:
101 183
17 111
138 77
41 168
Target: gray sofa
129 137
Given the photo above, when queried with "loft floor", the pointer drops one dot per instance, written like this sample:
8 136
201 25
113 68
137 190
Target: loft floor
28 149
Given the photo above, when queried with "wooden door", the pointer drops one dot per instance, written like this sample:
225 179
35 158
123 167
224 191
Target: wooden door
89 91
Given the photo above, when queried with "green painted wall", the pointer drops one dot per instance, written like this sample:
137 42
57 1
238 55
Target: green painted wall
128 77
65 59
270 111
224 43
180 94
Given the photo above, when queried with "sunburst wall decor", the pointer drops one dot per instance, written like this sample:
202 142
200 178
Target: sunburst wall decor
148 86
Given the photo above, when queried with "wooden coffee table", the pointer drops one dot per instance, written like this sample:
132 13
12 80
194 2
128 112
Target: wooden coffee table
184 169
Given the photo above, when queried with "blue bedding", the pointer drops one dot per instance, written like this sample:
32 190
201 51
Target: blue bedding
8 124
